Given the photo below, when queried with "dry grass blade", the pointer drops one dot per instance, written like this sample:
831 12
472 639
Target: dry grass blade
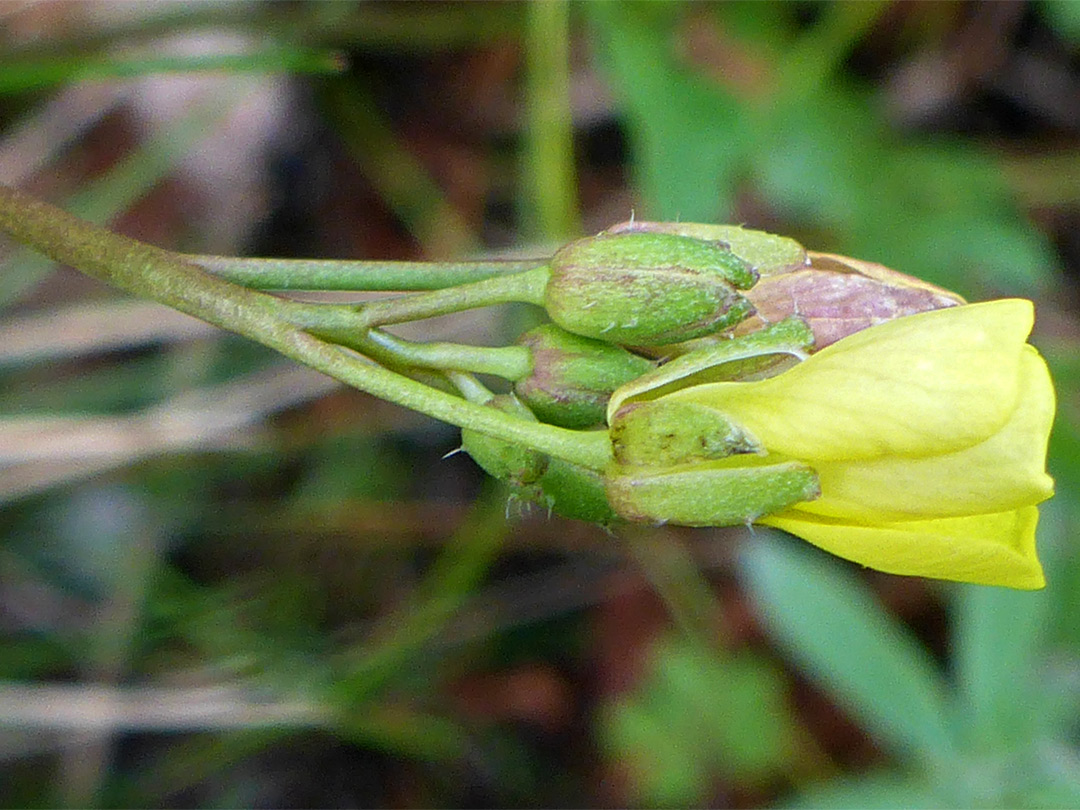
50 451
96 708
85 329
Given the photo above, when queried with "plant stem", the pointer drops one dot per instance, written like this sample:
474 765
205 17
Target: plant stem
154 273
470 387
366 276
21 75
527 287
509 362
549 136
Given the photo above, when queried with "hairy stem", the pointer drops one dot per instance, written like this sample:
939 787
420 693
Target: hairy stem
160 275
527 287
349 275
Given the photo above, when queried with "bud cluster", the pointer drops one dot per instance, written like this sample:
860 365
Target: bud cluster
726 303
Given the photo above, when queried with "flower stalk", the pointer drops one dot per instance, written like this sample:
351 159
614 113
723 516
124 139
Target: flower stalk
346 275
157 274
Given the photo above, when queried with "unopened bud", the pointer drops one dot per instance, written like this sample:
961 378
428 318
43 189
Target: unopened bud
573 376
665 433
766 252
576 493
499 458
838 296
647 289
710 494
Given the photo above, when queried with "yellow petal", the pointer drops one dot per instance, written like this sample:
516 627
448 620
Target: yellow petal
996 549
924 384
1005 472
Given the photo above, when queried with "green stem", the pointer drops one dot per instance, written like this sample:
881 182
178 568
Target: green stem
470 387
154 273
527 287
509 362
446 588
22 75
366 276
549 136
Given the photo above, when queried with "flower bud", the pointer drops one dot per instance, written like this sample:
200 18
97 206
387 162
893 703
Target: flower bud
573 376
710 494
643 289
664 433
766 252
576 493
838 296
502 459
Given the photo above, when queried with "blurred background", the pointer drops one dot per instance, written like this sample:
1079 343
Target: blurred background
228 581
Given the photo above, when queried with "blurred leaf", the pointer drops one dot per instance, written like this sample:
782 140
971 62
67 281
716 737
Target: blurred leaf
1064 16
873 791
738 704
21 75
396 173
696 714
664 768
40 656
837 631
819 151
688 137
348 466
401 731
386 659
111 194
998 636
941 213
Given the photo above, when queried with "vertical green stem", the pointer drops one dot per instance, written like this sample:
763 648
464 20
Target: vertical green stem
549 155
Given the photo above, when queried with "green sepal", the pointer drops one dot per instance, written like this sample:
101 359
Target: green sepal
665 433
709 494
766 252
572 376
499 458
728 358
575 492
647 289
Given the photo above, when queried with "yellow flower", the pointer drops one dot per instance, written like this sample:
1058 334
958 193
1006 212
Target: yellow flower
928 436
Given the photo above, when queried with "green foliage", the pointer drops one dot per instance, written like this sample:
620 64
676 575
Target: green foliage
977 743
1064 16
814 146
842 636
695 717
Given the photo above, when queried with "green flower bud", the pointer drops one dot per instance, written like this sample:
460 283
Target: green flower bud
664 433
576 493
502 459
767 252
710 494
647 289
573 376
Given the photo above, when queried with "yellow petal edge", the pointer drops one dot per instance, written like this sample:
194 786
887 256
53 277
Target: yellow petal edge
929 438
923 384
994 549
